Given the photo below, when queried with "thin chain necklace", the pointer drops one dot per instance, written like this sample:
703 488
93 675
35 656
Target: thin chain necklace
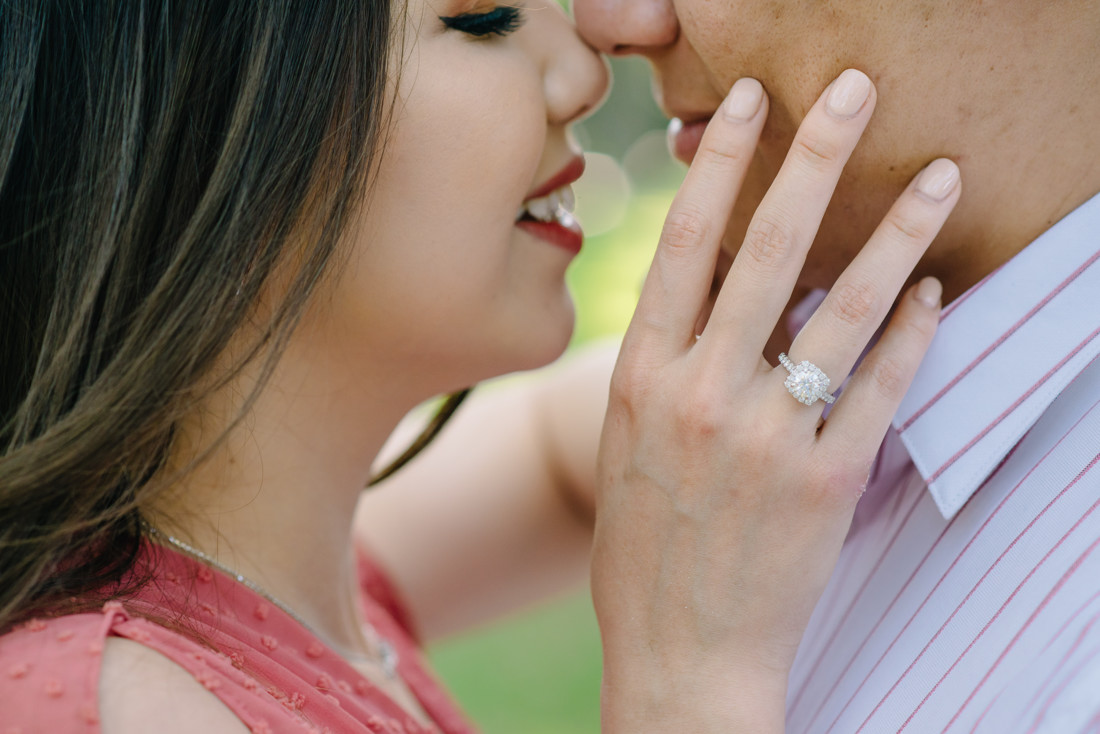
386 654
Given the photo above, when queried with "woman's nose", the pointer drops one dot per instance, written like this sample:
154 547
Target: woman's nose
626 26
575 79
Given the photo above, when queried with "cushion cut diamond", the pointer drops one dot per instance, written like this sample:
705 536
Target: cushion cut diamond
807 383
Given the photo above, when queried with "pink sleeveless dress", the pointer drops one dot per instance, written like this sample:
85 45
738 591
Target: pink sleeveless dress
266 667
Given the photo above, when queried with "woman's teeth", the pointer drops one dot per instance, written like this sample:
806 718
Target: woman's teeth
557 206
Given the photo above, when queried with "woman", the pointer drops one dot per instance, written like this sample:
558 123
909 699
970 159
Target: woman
241 240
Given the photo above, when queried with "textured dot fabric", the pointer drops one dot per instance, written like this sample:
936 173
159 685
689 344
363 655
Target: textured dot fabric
272 672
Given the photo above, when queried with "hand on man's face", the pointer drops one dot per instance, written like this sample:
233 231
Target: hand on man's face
942 71
697 49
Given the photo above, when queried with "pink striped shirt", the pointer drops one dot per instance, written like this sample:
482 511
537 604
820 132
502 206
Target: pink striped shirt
968 591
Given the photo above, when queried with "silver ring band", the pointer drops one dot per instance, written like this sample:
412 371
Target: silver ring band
806 382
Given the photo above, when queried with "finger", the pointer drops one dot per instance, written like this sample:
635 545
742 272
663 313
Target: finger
678 282
863 413
851 313
766 267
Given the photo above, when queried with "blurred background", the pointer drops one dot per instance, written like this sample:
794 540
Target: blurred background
540 671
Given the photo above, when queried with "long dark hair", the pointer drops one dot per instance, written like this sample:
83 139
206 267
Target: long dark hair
159 160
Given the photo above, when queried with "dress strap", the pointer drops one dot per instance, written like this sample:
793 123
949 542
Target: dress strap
49 674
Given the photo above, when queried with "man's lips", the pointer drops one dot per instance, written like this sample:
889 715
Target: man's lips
684 137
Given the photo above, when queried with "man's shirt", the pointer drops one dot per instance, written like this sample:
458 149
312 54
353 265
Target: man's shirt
968 592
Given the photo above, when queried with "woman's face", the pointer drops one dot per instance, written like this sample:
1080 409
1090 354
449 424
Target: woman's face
451 276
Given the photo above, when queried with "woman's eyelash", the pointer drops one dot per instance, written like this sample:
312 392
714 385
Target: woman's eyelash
499 21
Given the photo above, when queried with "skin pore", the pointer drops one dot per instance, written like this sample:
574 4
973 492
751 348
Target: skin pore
439 290
962 79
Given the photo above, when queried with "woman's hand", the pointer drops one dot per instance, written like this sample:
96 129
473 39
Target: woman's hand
723 501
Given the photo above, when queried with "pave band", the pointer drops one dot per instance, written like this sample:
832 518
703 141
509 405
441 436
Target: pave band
806 382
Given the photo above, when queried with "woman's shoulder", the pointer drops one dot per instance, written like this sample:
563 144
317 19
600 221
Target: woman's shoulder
72 674
142 690
48 673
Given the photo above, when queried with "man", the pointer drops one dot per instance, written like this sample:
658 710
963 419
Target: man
968 591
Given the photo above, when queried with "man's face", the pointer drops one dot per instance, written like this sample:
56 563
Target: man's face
932 62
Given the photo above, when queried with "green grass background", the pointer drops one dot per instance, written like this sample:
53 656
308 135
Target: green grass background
537 674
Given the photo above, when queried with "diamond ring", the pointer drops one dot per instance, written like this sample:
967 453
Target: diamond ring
806 382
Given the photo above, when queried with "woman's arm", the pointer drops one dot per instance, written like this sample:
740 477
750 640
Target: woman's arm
498 511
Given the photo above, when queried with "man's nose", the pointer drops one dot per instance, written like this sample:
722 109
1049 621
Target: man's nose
626 26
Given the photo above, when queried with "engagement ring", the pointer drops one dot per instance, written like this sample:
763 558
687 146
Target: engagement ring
806 382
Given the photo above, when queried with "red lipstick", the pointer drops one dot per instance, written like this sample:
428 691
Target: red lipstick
569 238
572 171
562 230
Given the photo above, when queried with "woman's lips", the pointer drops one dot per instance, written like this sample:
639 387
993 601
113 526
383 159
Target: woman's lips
552 221
572 171
684 138
566 235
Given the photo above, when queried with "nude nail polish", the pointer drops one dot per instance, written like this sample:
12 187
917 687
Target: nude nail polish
743 101
848 94
938 179
929 292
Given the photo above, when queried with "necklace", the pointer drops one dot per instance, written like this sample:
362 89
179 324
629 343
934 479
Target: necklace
386 653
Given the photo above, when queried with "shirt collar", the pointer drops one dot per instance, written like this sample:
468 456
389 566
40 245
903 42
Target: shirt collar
1004 351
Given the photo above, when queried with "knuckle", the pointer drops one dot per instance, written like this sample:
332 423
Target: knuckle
629 384
922 325
685 230
839 481
724 158
888 376
769 241
698 415
816 151
854 302
907 229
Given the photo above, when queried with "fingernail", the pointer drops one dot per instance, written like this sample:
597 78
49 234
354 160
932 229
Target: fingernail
743 101
848 94
938 179
929 292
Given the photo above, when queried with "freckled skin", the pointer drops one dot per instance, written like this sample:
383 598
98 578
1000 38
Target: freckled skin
1001 88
